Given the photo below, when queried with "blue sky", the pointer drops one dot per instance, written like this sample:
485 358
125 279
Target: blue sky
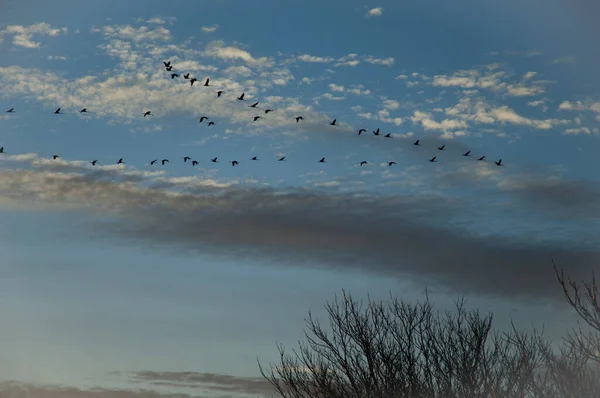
131 268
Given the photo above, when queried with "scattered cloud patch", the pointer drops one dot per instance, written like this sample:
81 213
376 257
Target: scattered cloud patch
22 36
210 29
375 12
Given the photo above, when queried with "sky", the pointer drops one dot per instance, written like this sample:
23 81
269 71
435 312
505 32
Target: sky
173 279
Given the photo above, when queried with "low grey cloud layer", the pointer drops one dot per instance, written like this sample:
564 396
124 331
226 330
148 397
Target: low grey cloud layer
412 236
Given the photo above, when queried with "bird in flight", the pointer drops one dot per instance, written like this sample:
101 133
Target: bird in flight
203 118
165 161
234 162
376 132
147 113
57 112
333 122
253 105
93 162
174 75
499 163
167 63
214 160
186 158
257 117
361 131
11 110
388 135
468 153
120 161
441 148
364 162
432 159
169 68
268 110
281 159
154 161
206 82
186 76
241 97
2 149
194 162
219 93
254 158
84 110
391 163
192 81
417 143
481 158
54 157
322 160
211 124
299 118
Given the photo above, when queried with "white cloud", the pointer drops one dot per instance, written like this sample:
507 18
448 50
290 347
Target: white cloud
529 75
569 59
57 58
218 49
401 77
580 130
314 59
375 12
23 35
391 104
210 29
359 90
380 61
136 34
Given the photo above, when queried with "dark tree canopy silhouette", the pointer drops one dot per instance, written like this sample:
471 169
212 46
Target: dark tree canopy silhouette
396 349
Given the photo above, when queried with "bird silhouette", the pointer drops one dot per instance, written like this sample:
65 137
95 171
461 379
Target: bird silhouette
174 75
214 160
432 159
234 162
481 158
192 81
281 159
219 93
268 110
154 161
322 160
241 97
165 161
169 68
364 162
2 149
253 105
299 118
499 163
376 132
194 162
203 118
93 162
186 76
257 117
167 63
441 148
11 110
416 143
468 153
361 131
211 124
57 112
120 161
333 122
391 163
254 158
54 157
388 135
206 82
147 113
84 110
186 158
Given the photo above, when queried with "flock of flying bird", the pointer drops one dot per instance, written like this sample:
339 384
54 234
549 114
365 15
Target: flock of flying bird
169 68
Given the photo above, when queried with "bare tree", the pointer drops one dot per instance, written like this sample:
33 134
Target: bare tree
401 350
583 297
